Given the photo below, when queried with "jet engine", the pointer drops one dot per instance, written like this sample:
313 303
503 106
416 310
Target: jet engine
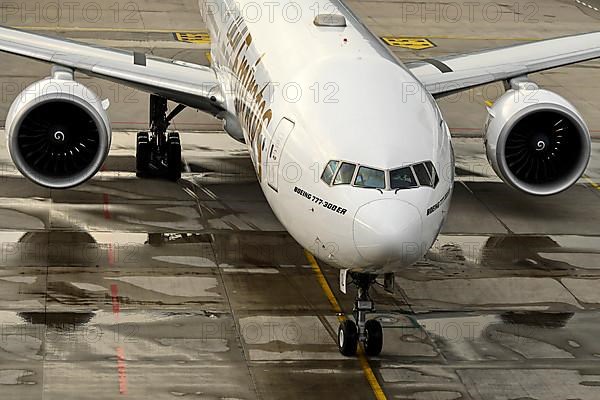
58 131
535 140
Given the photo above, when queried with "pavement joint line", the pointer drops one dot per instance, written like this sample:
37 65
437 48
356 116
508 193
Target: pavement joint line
464 184
362 358
232 312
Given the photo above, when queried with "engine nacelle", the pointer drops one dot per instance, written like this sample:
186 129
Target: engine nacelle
58 131
535 140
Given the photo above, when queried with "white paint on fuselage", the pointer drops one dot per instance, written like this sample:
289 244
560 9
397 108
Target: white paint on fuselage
357 103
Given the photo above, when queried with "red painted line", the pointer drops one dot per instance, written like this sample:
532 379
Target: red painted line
106 203
111 255
121 365
116 307
122 370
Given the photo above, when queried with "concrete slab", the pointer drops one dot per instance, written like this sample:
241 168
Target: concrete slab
489 293
530 383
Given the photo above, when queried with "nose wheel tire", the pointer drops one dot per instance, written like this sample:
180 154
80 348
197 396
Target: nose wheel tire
373 337
347 338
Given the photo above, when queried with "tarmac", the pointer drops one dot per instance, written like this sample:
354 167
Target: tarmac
151 289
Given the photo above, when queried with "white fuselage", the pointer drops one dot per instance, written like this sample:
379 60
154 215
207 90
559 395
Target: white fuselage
307 94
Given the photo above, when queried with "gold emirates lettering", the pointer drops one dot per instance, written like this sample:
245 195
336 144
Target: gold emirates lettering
253 121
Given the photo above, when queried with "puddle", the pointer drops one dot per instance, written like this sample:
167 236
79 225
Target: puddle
192 261
56 320
15 377
181 286
535 318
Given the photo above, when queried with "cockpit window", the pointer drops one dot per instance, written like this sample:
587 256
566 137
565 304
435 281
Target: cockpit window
344 175
370 178
329 170
412 176
434 176
422 174
402 178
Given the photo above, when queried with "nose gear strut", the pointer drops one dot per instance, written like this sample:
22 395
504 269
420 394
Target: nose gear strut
368 332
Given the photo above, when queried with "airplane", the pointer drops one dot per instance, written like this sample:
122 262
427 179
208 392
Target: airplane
349 145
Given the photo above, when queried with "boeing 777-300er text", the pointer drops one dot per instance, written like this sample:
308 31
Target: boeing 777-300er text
359 168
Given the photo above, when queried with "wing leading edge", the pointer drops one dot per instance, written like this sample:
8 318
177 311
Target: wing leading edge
190 84
450 74
197 86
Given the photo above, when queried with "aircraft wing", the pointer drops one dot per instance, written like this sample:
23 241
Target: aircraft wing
450 74
190 84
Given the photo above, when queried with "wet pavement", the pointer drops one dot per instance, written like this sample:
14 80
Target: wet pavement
134 288
127 288
149 288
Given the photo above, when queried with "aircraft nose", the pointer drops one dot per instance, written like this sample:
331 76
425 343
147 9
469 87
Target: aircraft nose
387 231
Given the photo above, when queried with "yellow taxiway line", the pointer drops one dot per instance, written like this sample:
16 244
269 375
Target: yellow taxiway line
591 182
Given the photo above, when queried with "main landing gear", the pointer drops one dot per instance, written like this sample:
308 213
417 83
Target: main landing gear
158 152
369 332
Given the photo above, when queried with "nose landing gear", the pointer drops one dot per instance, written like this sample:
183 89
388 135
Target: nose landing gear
369 332
158 152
